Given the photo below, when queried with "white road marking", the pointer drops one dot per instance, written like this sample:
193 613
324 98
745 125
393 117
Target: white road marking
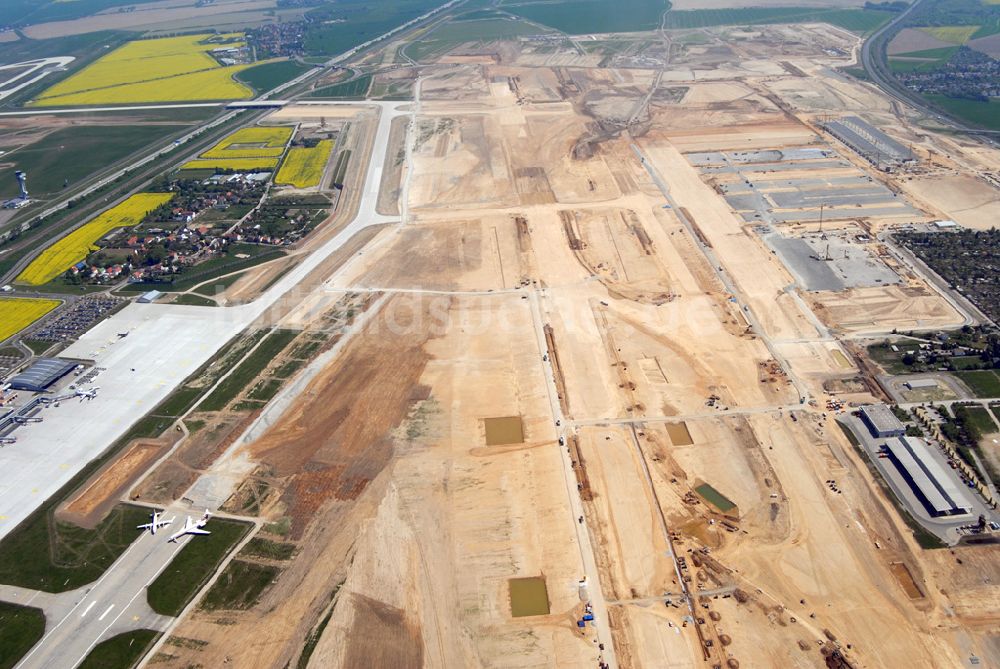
106 612
87 610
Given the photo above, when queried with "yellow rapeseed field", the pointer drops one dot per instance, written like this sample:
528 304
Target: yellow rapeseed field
231 164
952 34
252 142
78 244
155 70
18 313
303 167
256 147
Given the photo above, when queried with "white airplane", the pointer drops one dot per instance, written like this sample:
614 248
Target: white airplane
191 527
155 522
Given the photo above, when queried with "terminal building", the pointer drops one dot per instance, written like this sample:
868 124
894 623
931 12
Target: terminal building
870 143
42 374
937 487
882 421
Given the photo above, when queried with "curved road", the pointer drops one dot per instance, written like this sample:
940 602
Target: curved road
874 61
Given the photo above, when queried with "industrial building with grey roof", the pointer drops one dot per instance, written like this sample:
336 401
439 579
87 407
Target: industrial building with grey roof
42 374
937 487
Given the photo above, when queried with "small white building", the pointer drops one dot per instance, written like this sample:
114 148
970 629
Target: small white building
151 296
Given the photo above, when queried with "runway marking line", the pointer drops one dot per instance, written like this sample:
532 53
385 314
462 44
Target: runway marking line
106 612
87 610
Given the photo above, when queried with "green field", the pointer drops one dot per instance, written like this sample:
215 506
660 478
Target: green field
193 566
482 30
336 27
24 12
21 627
239 586
984 114
266 76
979 418
253 365
75 153
982 384
44 554
120 652
265 548
355 89
855 20
578 17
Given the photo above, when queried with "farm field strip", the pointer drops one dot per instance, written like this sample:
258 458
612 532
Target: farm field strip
303 167
75 246
18 313
167 69
253 148
952 34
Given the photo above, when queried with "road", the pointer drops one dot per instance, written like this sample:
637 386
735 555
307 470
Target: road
583 539
874 62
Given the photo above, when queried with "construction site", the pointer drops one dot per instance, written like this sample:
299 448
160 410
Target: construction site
569 395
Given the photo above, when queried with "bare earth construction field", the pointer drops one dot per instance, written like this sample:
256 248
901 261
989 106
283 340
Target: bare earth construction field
570 357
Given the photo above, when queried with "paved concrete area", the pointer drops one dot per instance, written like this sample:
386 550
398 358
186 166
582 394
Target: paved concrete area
946 528
78 620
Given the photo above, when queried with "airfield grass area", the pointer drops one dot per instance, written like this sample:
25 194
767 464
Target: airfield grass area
21 627
71 154
155 70
193 566
265 548
78 244
239 585
354 89
121 651
249 369
592 16
45 554
18 313
303 167
855 20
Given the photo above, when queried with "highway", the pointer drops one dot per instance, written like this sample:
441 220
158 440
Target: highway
874 61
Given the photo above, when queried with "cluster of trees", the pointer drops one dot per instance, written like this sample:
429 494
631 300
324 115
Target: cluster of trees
969 260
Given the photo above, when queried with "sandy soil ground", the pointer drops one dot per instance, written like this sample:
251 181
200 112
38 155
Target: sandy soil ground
533 218
99 495
967 200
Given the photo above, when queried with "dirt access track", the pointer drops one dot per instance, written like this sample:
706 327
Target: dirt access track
543 274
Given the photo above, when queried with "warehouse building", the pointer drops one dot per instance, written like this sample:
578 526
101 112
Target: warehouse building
881 421
42 374
937 488
870 143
